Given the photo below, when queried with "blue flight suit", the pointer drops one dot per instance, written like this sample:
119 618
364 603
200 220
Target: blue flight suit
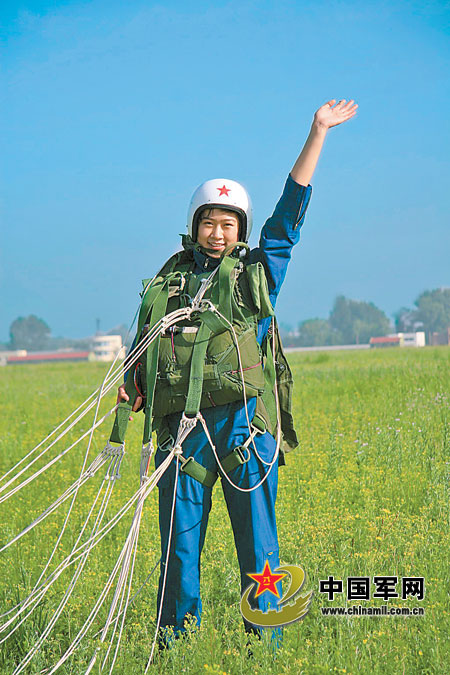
252 514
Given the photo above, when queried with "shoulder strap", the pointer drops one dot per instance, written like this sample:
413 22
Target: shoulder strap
266 410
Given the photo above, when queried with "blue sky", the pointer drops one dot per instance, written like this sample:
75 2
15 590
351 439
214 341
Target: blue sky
114 112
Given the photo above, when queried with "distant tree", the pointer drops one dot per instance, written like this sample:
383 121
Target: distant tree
433 310
29 333
285 329
356 322
78 344
316 333
405 320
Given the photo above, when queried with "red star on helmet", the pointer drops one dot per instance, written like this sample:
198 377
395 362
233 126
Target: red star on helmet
223 190
266 580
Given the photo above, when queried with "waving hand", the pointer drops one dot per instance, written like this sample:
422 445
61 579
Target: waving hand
331 113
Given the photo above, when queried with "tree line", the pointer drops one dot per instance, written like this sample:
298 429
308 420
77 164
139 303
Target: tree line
350 322
34 335
355 322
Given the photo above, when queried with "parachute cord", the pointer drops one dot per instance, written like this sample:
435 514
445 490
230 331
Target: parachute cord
115 377
54 460
2 478
97 464
134 596
127 601
36 591
143 492
126 573
78 553
167 321
115 461
83 467
91 471
241 371
133 550
278 440
166 567
213 448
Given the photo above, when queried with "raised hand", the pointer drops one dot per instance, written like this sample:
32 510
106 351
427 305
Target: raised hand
331 113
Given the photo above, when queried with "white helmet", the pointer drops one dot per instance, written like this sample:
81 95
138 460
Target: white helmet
221 193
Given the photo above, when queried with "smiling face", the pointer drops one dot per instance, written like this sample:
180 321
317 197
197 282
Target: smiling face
217 229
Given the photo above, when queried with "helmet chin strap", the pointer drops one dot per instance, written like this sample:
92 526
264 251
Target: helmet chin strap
243 252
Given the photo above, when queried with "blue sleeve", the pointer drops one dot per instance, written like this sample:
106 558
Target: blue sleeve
278 236
133 345
281 232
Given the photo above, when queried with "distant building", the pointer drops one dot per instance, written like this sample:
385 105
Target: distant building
106 347
4 356
385 341
399 340
441 338
412 339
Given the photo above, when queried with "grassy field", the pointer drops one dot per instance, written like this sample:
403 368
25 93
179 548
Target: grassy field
366 494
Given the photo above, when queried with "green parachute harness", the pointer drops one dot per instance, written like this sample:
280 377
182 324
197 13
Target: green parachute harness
210 358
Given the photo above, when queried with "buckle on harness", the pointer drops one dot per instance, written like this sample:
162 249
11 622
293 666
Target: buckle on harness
167 445
197 471
240 451
184 461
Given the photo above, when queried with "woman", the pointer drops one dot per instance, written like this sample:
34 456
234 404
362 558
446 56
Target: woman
229 440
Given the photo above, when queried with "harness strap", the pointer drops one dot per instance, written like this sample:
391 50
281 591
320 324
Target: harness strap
123 412
197 471
225 291
208 478
158 311
234 459
194 394
266 409
152 293
205 331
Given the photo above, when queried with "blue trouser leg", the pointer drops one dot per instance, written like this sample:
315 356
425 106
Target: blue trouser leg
252 513
253 519
182 588
192 507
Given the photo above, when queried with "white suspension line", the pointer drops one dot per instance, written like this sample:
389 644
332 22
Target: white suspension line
134 596
55 459
147 451
115 461
161 325
68 562
205 428
163 589
98 462
80 406
164 323
39 592
47 512
143 492
126 573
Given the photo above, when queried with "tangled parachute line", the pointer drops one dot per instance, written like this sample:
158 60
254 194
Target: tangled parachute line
96 526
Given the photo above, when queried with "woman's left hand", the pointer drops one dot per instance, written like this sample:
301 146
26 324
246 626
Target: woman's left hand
331 113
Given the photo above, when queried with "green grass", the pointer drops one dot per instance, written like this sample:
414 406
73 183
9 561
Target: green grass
366 494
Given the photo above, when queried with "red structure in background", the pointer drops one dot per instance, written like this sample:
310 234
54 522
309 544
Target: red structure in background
42 357
393 341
